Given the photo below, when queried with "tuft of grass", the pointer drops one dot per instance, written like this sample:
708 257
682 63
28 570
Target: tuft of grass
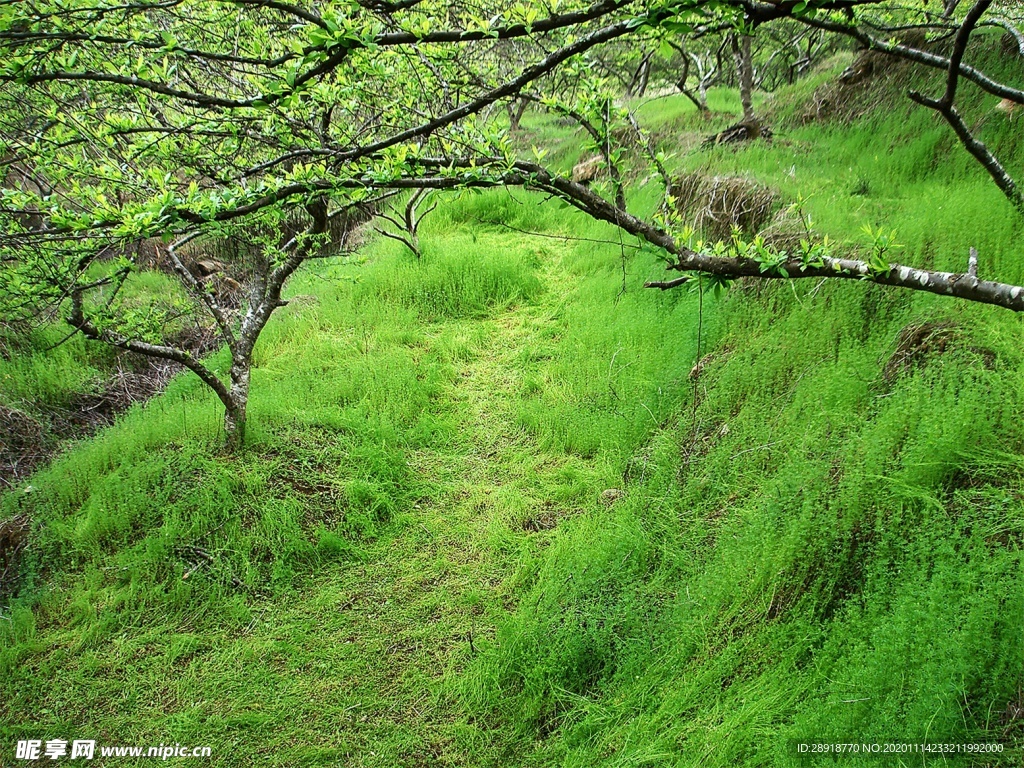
469 275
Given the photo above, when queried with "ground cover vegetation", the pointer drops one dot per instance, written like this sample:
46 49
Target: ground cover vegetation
496 503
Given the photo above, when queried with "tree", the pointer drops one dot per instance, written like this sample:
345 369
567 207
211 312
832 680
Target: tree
265 124
407 223
721 262
866 32
745 75
704 65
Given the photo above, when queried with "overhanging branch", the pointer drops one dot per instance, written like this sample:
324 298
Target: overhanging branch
965 285
88 329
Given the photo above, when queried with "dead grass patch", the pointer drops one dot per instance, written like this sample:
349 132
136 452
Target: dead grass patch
871 77
716 205
919 342
14 534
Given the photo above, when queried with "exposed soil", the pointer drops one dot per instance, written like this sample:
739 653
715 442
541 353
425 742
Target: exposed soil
13 538
29 439
742 131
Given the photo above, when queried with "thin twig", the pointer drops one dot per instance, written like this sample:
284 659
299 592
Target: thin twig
568 238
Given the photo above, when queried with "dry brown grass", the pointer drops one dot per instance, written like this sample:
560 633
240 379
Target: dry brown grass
715 205
919 342
872 76
915 344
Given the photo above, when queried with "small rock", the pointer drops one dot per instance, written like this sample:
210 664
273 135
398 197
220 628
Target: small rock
611 495
587 170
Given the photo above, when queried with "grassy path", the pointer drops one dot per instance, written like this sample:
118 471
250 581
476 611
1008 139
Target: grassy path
359 656
356 670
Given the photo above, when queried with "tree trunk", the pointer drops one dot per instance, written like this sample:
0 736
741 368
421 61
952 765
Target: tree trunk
516 110
702 93
745 75
235 410
700 100
638 83
645 76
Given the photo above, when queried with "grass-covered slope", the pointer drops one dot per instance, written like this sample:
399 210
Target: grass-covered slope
827 546
491 514
56 387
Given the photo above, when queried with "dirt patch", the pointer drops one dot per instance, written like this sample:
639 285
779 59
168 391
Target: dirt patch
1012 719
13 540
701 438
588 169
1011 46
22 438
28 438
543 519
722 353
915 344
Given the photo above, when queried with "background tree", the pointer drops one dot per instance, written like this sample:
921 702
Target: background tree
724 261
886 31
704 66
741 44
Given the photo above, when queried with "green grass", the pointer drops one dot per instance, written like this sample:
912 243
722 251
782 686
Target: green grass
816 552
403 462
415 563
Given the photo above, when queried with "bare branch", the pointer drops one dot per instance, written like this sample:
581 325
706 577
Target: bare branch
198 290
88 329
917 56
1014 32
944 106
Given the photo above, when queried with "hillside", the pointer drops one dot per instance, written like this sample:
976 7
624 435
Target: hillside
503 506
